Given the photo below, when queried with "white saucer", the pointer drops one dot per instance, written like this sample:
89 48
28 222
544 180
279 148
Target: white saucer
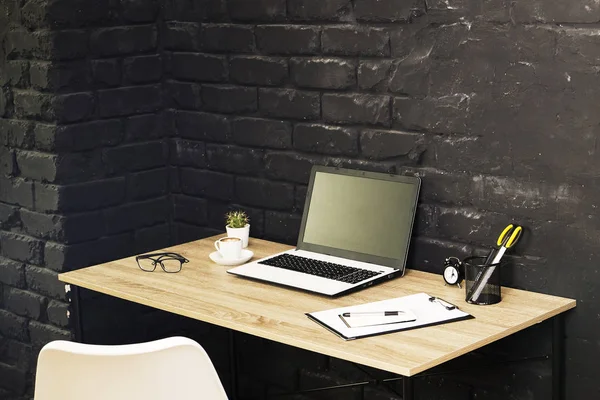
245 256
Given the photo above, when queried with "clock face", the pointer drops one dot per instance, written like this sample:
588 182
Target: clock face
451 275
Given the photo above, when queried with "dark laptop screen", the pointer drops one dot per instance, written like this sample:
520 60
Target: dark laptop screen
369 215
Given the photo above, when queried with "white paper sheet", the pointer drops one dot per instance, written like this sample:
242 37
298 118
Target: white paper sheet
425 311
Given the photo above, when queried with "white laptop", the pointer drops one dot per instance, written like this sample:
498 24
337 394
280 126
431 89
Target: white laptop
355 232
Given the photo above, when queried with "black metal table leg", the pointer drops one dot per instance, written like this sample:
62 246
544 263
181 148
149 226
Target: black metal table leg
233 368
558 359
408 390
75 313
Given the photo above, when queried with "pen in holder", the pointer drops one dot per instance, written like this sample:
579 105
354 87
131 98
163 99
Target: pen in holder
482 281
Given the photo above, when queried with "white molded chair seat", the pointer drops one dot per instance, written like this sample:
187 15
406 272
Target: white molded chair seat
176 368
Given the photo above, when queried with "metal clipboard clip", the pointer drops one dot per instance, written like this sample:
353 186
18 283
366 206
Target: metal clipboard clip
442 303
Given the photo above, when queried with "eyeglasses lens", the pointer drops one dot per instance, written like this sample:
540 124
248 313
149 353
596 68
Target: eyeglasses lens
171 264
146 264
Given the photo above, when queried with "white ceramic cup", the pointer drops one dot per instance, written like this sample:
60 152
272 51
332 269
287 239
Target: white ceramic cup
230 248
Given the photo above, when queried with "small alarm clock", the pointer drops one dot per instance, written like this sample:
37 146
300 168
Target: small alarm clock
453 272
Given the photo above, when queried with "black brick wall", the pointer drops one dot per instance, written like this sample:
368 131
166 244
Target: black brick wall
84 174
126 126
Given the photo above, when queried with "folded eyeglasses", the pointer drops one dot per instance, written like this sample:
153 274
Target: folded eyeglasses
169 262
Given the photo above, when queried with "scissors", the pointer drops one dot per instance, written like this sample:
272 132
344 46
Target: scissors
507 239
510 236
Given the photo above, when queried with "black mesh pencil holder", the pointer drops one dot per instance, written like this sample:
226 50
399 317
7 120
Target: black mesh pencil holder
482 282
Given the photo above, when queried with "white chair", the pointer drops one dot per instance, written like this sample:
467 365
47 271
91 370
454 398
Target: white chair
176 368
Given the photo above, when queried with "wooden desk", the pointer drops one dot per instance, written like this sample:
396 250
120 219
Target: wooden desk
205 292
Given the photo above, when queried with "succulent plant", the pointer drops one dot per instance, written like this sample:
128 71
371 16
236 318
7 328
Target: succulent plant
236 219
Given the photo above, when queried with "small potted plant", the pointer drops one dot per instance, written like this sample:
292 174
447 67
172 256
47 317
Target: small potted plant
238 225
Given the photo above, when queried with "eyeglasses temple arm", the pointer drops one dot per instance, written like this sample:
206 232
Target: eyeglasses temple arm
175 255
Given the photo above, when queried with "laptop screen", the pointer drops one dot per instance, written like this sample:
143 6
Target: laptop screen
360 215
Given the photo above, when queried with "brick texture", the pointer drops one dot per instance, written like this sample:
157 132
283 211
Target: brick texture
83 145
128 126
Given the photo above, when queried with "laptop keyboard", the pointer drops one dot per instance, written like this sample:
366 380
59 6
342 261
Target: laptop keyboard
323 269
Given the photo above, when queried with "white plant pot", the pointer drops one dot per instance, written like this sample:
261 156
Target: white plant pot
242 233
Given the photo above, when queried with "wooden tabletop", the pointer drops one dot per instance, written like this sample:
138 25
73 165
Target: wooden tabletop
204 291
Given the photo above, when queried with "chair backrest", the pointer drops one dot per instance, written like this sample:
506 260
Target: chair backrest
174 368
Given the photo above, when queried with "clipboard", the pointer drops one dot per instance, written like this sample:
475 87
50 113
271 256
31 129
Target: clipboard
428 311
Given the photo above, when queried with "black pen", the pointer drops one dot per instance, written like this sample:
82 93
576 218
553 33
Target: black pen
490 257
373 314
